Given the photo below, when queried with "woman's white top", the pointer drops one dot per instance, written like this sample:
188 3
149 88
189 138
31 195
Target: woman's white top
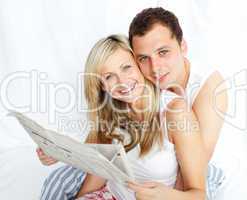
159 164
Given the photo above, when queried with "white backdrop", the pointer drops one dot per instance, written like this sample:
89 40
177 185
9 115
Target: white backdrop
43 47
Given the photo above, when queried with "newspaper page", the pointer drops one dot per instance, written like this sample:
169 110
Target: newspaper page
105 160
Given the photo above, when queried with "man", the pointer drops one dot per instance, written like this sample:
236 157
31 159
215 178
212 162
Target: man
160 49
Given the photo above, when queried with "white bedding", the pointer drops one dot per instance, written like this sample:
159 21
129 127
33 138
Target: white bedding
21 174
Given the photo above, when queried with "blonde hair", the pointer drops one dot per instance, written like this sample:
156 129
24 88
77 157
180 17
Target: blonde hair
95 96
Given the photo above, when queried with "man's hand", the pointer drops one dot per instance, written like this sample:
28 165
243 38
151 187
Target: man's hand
150 190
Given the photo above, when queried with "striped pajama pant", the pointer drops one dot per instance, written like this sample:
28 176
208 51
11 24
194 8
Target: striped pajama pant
65 182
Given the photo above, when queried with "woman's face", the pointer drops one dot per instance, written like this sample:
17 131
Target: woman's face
121 76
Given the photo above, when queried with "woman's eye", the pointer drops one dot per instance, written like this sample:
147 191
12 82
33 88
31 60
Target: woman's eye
142 59
108 77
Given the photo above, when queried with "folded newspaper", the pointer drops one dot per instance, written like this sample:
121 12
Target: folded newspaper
105 160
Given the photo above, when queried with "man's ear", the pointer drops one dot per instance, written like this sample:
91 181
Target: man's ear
184 47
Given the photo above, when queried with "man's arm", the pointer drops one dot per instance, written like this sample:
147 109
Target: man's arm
206 106
190 154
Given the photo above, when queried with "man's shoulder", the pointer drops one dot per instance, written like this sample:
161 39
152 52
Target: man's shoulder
210 90
214 80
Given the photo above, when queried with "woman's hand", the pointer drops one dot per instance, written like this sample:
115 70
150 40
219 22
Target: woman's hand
150 190
44 159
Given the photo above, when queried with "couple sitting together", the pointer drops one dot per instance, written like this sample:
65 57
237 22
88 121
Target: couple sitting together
147 79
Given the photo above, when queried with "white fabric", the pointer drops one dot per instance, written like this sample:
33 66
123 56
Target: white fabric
149 168
22 174
54 37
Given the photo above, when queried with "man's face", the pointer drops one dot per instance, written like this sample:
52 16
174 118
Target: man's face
159 56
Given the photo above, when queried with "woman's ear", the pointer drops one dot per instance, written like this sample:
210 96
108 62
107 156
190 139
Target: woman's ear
184 47
103 87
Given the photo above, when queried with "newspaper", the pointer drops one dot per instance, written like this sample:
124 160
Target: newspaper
105 160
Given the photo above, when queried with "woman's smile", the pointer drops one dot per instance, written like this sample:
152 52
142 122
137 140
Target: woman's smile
128 88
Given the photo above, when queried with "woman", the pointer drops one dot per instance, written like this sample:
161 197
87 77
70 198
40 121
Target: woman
117 93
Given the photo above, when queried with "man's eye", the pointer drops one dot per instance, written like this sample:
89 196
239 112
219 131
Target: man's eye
126 67
163 52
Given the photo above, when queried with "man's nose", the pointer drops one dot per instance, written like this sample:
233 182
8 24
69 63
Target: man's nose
155 65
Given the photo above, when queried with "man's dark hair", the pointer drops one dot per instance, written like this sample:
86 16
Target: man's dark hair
144 21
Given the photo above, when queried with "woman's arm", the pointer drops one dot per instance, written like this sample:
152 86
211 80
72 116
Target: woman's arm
91 183
179 182
44 159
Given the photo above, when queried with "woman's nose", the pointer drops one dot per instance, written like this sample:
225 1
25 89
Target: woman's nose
122 78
